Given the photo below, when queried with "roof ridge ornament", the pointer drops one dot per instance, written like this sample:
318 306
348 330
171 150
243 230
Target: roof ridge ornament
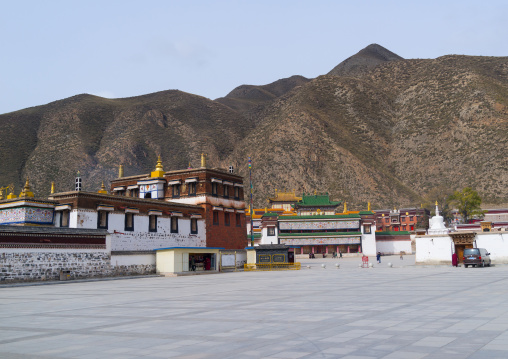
159 170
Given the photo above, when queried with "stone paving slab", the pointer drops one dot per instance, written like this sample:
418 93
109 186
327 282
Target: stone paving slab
401 312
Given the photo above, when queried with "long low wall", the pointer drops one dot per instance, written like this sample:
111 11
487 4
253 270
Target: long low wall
47 264
39 264
437 249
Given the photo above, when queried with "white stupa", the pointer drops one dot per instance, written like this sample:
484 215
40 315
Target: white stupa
436 224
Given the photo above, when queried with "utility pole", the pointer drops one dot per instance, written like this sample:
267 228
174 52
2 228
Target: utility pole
251 206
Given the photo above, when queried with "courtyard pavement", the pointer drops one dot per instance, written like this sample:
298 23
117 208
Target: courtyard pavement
404 312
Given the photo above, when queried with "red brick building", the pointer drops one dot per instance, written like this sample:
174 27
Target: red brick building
217 191
403 219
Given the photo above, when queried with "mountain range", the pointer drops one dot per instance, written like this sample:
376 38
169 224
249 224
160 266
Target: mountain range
376 128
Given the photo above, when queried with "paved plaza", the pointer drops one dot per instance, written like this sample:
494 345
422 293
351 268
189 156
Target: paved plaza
405 312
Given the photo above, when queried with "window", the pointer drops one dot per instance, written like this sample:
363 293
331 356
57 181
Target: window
174 224
411 218
386 220
226 191
238 220
366 229
64 218
215 187
237 192
271 231
215 217
226 218
192 189
152 223
194 226
176 191
402 219
129 221
102 219
404 227
394 220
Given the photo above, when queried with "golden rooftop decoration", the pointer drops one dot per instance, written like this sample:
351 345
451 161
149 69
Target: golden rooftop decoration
120 171
436 202
368 206
103 189
2 189
11 192
159 171
52 187
203 160
26 192
345 207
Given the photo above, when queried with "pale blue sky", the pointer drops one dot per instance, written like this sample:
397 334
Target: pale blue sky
56 49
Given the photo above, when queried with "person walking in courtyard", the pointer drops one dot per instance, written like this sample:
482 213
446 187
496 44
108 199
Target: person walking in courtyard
401 255
340 254
378 257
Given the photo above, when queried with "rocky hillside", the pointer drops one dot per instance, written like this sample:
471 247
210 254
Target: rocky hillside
376 128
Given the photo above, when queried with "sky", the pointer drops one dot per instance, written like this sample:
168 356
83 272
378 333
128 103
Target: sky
50 50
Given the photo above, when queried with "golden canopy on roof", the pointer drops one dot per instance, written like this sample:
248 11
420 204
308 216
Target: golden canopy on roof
26 192
285 197
159 171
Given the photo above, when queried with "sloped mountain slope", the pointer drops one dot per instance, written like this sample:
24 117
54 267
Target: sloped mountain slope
377 128
95 135
364 61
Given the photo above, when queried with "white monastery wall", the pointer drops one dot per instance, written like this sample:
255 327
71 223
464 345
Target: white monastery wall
369 242
496 243
436 249
394 247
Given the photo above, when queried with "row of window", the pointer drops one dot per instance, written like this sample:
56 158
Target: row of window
176 191
102 222
226 191
396 220
227 219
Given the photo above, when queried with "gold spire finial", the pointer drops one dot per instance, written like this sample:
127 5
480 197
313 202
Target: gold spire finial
368 206
159 170
120 171
103 189
345 207
11 192
315 192
203 160
52 187
26 190
436 202
266 209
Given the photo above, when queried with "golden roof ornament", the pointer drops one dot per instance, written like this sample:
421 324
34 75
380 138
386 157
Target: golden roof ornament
52 187
11 192
203 160
436 202
345 207
368 206
103 189
159 171
26 192
120 171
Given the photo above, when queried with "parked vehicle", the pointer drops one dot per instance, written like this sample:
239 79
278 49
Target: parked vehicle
476 257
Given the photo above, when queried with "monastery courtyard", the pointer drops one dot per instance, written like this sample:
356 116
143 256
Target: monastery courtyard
404 312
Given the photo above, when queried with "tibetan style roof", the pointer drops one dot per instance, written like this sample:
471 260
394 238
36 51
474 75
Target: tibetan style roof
285 197
317 200
393 233
270 214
